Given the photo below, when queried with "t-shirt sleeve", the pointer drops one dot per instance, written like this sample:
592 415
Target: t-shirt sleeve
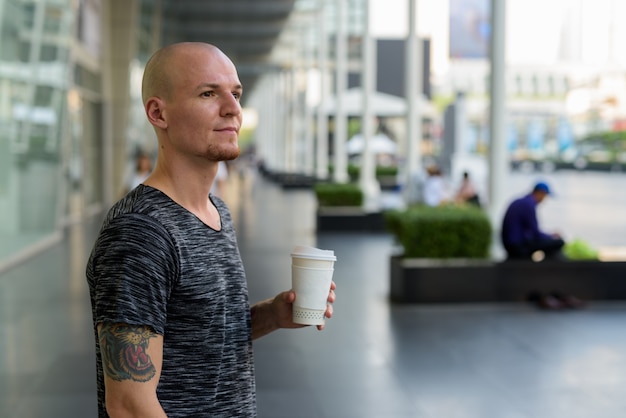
135 268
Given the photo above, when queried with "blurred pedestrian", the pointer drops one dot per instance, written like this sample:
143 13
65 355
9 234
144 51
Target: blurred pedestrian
467 192
435 187
524 240
142 169
221 178
521 235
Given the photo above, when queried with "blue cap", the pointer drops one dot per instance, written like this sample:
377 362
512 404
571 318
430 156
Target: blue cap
542 187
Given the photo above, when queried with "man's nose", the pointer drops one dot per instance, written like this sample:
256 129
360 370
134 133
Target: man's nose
231 106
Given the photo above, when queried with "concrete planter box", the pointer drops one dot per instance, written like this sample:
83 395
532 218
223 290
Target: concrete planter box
289 180
417 280
465 281
349 218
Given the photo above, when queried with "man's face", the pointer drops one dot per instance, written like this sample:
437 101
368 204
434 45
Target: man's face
203 113
540 196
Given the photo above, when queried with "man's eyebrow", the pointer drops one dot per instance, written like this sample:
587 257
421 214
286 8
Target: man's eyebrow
218 86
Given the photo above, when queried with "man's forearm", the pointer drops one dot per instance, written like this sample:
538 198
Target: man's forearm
144 409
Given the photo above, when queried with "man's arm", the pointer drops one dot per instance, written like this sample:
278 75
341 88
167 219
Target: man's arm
132 357
272 314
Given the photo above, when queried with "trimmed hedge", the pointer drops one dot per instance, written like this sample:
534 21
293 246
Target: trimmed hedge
338 194
354 171
608 137
451 231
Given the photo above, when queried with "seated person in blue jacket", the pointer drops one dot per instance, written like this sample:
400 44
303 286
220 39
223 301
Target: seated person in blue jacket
521 235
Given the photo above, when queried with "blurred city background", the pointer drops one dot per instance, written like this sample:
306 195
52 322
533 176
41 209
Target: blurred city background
328 85
72 119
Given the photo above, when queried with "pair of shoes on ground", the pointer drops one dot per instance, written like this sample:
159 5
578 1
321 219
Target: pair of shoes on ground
555 301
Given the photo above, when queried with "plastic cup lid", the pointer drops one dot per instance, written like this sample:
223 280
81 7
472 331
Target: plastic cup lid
302 251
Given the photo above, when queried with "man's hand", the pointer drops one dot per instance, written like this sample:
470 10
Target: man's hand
276 313
282 305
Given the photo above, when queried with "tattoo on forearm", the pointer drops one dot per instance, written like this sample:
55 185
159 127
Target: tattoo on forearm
123 349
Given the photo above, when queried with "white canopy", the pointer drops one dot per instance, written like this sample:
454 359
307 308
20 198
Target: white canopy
379 144
383 104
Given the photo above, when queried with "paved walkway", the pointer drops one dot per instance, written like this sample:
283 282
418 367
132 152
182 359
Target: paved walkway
374 359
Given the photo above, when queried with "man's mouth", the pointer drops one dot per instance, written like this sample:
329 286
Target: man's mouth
228 129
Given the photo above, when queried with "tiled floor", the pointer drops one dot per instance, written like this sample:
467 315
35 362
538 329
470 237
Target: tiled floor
374 359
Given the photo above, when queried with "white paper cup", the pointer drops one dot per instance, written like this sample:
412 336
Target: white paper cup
311 276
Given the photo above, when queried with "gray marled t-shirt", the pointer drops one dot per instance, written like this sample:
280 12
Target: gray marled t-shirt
155 263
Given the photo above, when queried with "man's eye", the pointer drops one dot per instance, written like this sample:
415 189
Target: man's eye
208 93
237 96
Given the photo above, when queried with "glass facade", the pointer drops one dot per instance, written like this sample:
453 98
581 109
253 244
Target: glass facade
34 62
59 161
50 119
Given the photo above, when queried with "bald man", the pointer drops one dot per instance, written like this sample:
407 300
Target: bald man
172 321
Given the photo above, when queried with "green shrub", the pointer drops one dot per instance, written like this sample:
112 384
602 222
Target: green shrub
354 171
386 170
579 250
441 232
338 194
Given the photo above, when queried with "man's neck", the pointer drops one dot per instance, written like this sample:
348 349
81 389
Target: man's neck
188 189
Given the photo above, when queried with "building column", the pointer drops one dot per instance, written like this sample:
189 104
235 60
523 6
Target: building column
120 32
367 181
322 116
498 161
413 79
340 132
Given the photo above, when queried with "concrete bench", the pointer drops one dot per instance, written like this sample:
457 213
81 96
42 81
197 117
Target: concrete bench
466 281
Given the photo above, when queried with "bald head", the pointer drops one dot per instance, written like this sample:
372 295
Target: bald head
158 77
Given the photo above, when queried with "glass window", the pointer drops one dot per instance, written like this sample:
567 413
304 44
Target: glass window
53 20
30 120
49 53
43 95
86 79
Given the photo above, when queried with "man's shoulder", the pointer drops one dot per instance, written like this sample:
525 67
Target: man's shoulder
519 205
144 201
139 213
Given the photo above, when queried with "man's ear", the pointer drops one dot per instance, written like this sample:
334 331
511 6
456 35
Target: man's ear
155 112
